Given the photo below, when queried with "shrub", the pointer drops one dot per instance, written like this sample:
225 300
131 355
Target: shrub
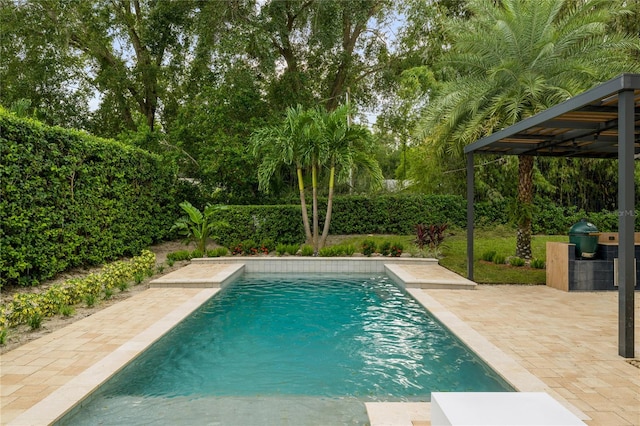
178 256
108 293
218 252
267 246
67 310
516 261
385 248
196 254
90 299
499 259
396 249
35 320
381 215
306 250
250 247
329 251
138 277
261 223
236 248
3 336
349 249
537 263
368 247
488 255
25 306
430 236
48 215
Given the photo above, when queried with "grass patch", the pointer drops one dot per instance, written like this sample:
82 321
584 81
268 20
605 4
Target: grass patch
500 240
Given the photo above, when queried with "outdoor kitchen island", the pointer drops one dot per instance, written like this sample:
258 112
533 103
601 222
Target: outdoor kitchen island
570 272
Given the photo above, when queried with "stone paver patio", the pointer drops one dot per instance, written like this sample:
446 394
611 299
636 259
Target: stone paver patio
566 340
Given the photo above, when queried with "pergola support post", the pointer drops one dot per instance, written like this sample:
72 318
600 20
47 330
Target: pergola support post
470 212
626 225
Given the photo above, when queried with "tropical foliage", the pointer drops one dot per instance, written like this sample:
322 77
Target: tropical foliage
513 59
199 226
310 140
24 307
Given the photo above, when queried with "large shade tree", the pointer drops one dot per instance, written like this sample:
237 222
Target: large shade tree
513 59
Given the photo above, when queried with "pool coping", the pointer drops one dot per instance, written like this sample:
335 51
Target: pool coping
72 394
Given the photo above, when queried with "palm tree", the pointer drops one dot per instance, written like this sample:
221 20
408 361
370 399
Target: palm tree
348 146
513 59
285 144
312 139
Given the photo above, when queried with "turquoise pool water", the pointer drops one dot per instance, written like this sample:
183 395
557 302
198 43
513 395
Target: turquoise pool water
281 341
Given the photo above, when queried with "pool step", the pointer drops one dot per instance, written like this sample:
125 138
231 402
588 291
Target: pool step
200 276
427 276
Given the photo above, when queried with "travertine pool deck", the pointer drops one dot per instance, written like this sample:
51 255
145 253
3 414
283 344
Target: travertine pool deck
538 337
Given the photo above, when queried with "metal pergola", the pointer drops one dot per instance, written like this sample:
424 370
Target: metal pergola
603 122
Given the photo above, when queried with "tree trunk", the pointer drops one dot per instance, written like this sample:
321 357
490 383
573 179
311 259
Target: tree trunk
314 186
525 204
303 206
327 219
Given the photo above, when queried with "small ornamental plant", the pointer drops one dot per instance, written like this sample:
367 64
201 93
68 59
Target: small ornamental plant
516 261
28 308
267 246
237 248
396 250
35 320
488 256
307 250
537 264
499 259
368 247
385 248
281 249
217 252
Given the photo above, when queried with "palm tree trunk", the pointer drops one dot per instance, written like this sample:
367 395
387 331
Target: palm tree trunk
525 201
303 206
314 186
327 219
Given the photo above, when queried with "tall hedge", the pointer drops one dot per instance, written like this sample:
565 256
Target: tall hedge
69 199
280 223
394 214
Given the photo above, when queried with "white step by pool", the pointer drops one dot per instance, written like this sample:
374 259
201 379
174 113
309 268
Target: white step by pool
499 408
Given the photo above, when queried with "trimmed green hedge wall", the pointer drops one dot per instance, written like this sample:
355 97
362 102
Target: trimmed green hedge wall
281 224
393 214
68 199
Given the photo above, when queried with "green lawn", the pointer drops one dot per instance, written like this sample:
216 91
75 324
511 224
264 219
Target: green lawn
454 253
503 241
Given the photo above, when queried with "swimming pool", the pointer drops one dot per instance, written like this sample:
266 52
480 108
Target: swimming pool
291 342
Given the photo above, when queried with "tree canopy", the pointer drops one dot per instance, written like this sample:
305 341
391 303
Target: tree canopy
193 80
513 59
